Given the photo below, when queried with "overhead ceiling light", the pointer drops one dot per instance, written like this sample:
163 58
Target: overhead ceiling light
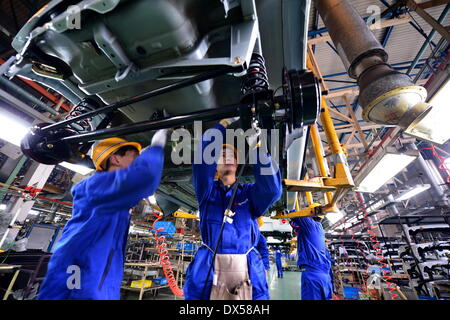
2 206
272 240
382 167
11 129
77 168
334 217
433 126
413 192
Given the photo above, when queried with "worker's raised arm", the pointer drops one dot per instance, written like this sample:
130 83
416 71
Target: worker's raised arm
267 188
204 165
125 187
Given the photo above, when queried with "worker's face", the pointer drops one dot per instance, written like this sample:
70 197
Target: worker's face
120 162
227 164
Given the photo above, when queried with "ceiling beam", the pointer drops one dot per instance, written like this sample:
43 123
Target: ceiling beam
428 18
432 3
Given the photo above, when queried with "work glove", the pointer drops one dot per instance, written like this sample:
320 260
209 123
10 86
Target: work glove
159 138
252 140
226 122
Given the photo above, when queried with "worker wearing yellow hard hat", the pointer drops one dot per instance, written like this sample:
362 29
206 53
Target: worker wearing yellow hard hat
105 148
236 241
88 260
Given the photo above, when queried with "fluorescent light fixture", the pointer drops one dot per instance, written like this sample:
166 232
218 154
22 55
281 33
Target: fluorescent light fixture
413 192
272 240
11 129
382 167
77 168
2 206
33 212
433 126
334 217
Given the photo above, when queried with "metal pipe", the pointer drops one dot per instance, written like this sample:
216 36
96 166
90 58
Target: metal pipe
156 92
352 38
427 41
438 193
170 122
19 104
387 96
26 95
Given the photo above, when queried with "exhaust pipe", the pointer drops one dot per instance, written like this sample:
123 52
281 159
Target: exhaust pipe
387 96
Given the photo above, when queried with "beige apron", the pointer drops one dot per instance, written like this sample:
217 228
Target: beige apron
231 280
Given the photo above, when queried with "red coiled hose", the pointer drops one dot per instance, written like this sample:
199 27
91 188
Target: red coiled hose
161 245
376 246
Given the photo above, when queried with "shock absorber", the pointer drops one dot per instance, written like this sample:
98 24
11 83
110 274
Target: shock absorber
255 85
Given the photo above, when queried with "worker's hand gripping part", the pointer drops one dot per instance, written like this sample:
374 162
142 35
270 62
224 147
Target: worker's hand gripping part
237 270
314 260
88 261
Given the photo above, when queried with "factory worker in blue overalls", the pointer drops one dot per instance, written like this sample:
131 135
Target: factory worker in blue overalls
238 270
278 262
89 257
313 259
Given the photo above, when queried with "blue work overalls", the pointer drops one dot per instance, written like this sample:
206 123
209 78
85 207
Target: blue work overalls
89 257
278 256
313 259
263 250
239 237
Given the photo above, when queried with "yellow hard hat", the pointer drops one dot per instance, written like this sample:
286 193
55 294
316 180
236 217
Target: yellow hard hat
260 221
107 147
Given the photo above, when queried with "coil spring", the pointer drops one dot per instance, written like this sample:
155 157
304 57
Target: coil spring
165 260
82 107
256 78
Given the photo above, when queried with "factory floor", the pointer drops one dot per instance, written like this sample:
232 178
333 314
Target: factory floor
286 288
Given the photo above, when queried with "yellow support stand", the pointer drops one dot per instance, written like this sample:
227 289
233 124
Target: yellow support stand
332 186
185 215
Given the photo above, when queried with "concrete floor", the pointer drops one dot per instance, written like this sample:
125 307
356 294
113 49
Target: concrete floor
286 288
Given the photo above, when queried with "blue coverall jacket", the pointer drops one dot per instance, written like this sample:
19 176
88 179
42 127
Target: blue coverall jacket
263 251
313 257
92 246
250 202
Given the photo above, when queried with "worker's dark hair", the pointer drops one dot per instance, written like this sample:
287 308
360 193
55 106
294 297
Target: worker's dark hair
120 152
